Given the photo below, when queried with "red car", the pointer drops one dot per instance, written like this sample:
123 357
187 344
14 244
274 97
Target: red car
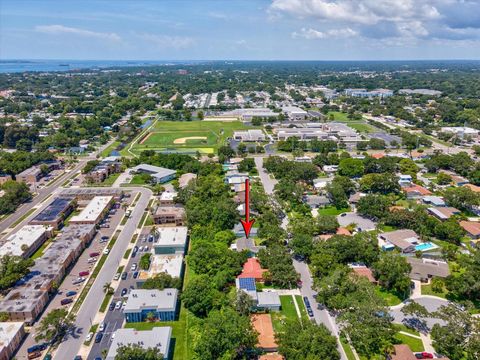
424 355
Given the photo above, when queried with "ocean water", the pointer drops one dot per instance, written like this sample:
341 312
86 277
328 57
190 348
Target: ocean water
15 66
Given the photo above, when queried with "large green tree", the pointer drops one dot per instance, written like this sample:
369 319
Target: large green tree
307 341
136 352
225 334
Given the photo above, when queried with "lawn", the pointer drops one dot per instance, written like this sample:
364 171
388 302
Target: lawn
332 210
110 148
288 312
401 327
138 179
110 180
416 345
301 305
205 136
362 127
339 116
390 298
427 290
347 348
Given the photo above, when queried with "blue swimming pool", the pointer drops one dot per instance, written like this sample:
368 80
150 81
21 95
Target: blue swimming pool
425 246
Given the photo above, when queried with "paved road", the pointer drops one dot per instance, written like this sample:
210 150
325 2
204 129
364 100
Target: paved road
43 193
114 318
320 316
70 347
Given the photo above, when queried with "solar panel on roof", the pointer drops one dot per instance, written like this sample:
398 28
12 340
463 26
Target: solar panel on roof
247 284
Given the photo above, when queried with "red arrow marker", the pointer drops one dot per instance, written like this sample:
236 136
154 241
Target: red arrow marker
247 223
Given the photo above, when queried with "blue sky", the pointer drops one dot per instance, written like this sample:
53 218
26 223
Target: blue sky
240 30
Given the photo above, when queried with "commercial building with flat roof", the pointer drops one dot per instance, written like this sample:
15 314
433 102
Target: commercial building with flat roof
30 175
159 175
55 212
168 198
94 212
170 264
30 294
26 240
157 338
171 240
295 113
169 215
249 135
89 194
11 335
142 302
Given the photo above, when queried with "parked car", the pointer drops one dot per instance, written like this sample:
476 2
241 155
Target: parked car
124 276
424 355
112 306
106 251
135 249
135 274
101 327
89 337
84 273
34 355
71 293
78 357
37 347
118 305
124 291
91 260
117 276
98 337
78 280
94 254
134 267
66 301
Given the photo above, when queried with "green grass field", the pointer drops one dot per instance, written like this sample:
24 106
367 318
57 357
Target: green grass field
390 298
205 136
332 210
288 312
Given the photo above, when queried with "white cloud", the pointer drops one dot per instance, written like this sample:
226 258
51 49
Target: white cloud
315 34
176 42
60 29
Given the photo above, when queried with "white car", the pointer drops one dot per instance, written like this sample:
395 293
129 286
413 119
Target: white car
113 336
91 260
101 327
89 337
117 276
118 305
134 267
106 251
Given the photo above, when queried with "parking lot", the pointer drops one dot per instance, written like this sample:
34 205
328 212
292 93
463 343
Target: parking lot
84 263
114 317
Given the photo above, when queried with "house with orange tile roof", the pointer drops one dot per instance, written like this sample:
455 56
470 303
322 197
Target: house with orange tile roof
472 187
262 323
252 269
343 231
363 271
472 228
378 155
415 191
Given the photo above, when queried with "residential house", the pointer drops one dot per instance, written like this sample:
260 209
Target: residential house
472 228
425 269
415 191
252 269
248 244
405 240
262 323
185 179
443 213
436 201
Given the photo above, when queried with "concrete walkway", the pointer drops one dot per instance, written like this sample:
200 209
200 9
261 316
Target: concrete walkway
299 314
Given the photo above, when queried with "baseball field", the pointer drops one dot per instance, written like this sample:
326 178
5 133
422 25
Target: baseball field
188 136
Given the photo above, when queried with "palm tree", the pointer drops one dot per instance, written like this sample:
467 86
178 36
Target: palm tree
107 288
151 316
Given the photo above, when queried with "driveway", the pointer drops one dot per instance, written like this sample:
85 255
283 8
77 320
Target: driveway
431 303
361 223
